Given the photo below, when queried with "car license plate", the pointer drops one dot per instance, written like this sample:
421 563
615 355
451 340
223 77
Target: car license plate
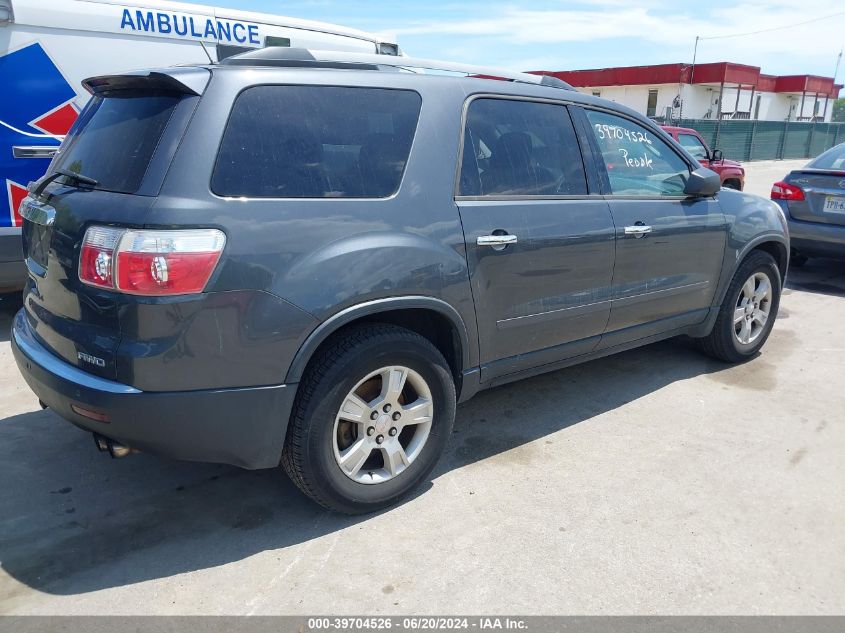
834 204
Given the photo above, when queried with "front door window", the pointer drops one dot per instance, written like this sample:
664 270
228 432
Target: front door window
638 162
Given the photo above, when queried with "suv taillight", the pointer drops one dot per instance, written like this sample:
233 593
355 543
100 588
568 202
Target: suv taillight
785 191
150 262
96 262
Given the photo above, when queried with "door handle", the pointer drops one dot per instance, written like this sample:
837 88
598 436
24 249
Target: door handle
638 230
496 240
34 151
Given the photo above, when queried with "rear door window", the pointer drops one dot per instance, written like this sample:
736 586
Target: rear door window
520 148
316 142
115 138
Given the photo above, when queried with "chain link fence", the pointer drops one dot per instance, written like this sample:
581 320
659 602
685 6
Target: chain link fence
766 140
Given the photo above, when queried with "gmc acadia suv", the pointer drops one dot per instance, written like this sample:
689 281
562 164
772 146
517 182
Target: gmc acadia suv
308 261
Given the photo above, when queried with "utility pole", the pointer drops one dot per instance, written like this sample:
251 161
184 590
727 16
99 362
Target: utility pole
691 75
695 53
835 72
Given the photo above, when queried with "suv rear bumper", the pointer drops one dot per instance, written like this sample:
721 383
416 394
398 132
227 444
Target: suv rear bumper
243 427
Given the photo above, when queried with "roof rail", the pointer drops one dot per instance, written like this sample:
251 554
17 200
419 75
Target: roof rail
306 58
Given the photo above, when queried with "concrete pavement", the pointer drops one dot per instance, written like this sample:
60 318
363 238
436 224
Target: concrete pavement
762 174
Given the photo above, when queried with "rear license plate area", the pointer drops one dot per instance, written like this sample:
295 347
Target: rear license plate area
834 204
36 232
37 244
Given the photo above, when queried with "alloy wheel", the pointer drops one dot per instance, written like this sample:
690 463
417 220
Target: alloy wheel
752 308
383 425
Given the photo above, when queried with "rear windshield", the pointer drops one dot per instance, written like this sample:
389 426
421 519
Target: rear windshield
114 139
833 158
316 142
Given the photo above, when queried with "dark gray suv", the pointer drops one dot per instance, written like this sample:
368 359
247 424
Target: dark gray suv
308 260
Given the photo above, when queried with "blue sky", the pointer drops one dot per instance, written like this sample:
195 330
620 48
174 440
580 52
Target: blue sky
570 35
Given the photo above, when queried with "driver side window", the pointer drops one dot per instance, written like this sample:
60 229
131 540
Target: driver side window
638 162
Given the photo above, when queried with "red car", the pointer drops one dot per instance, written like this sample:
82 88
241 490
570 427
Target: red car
731 172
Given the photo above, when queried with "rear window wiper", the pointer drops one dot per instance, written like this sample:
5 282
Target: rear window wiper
75 178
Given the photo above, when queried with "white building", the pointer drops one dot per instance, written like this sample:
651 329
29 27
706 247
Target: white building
709 91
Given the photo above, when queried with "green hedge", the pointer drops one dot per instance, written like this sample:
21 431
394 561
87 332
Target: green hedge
762 140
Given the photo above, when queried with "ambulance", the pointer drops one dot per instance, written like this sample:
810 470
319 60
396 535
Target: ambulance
47 47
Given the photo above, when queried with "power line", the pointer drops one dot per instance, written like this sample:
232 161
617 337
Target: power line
777 28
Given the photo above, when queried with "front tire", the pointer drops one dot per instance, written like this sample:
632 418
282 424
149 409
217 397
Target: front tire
372 417
748 312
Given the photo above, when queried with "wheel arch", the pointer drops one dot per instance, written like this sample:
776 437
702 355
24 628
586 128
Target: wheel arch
774 244
779 251
432 318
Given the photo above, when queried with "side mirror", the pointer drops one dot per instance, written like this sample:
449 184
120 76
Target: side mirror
703 183
716 155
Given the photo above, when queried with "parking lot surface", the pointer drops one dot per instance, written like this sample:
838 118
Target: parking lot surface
655 481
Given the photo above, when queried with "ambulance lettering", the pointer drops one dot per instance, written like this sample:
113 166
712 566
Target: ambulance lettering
183 25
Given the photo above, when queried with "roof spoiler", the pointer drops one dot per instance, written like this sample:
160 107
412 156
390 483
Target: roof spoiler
189 81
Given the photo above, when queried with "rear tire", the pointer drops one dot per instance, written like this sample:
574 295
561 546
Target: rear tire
372 417
748 312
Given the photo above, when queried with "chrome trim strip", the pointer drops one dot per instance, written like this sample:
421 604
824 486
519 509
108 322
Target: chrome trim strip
37 212
588 308
527 198
33 350
551 315
659 294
